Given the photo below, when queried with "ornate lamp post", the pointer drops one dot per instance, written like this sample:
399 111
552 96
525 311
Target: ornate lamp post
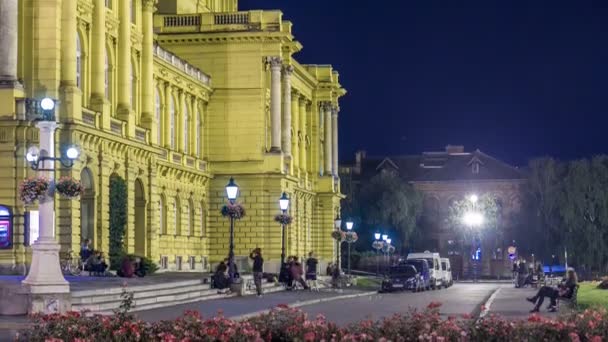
232 191
45 277
377 245
337 225
350 238
284 205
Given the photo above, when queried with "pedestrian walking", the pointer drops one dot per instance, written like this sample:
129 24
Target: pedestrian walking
258 269
311 271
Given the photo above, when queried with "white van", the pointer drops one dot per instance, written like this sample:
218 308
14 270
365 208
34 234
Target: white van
434 262
447 272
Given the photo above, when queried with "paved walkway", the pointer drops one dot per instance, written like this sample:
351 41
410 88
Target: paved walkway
511 303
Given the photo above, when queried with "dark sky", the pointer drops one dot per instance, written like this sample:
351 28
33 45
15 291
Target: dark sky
516 79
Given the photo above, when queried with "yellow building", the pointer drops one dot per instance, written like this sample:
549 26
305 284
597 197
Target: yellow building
174 97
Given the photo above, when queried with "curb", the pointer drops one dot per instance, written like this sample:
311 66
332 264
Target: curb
485 309
15 325
306 303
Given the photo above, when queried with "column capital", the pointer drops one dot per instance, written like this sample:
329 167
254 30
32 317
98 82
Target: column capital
287 70
149 5
274 61
334 111
326 106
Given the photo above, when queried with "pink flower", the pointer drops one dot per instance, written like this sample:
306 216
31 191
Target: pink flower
309 336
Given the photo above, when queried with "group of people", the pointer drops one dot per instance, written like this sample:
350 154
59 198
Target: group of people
93 261
292 274
564 290
523 273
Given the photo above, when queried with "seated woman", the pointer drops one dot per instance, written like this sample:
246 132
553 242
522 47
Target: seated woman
95 263
220 279
126 268
564 290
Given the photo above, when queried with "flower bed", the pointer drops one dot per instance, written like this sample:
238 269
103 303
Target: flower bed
288 324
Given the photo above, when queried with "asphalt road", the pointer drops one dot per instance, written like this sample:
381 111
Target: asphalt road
457 300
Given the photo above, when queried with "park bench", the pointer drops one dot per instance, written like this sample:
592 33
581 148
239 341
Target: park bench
571 302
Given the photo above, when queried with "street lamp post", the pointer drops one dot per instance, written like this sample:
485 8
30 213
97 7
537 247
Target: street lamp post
337 225
284 205
232 191
474 219
44 277
388 253
349 228
377 245
384 238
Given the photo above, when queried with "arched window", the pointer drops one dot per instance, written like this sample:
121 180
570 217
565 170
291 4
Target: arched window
186 128
157 110
78 62
107 77
162 210
133 95
172 121
197 139
203 220
190 218
177 210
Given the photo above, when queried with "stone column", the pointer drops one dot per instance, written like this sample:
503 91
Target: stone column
334 126
45 281
286 123
71 95
98 52
328 138
181 112
303 133
275 103
8 43
147 69
295 143
124 60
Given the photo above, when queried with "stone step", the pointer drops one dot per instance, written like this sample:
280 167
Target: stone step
101 297
136 288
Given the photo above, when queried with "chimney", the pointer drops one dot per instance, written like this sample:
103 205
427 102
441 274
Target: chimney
454 149
359 156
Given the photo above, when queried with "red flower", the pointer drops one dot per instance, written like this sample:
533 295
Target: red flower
433 305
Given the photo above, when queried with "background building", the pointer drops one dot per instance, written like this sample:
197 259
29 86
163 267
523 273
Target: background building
444 177
173 97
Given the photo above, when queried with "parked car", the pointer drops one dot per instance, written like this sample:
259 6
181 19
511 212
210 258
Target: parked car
434 261
402 277
446 268
422 268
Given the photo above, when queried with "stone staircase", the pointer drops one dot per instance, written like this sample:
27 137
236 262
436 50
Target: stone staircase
105 300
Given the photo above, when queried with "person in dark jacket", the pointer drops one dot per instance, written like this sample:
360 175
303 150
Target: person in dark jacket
297 272
126 268
311 271
258 269
220 278
564 290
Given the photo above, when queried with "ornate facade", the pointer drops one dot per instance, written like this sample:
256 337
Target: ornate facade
174 97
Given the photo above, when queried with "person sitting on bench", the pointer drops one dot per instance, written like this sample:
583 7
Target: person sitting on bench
564 290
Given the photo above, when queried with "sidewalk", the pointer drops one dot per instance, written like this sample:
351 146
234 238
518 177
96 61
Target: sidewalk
511 303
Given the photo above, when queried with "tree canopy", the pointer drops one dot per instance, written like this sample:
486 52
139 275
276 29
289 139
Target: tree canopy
386 203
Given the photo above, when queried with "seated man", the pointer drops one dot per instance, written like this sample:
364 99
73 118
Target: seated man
140 268
95 264
564 290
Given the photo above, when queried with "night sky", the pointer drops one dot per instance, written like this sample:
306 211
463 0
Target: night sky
516 79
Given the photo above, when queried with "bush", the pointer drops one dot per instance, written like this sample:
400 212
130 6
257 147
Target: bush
288 324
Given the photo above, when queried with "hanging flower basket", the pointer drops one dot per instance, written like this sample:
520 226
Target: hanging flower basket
283 219
69 187
337 235
33 189
351 237
235 211
377 244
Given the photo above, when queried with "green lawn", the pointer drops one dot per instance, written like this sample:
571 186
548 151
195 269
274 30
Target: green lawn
589 296
369 283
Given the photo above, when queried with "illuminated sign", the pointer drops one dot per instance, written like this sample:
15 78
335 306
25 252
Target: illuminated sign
6 229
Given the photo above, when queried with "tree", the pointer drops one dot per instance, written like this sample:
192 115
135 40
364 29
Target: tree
388 202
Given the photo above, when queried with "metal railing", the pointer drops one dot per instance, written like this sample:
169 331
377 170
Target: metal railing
182 65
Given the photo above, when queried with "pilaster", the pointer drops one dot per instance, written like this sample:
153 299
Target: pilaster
295 144
286 123
334 126
302 136
168 131
328 139
275 103
124 71
147 70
